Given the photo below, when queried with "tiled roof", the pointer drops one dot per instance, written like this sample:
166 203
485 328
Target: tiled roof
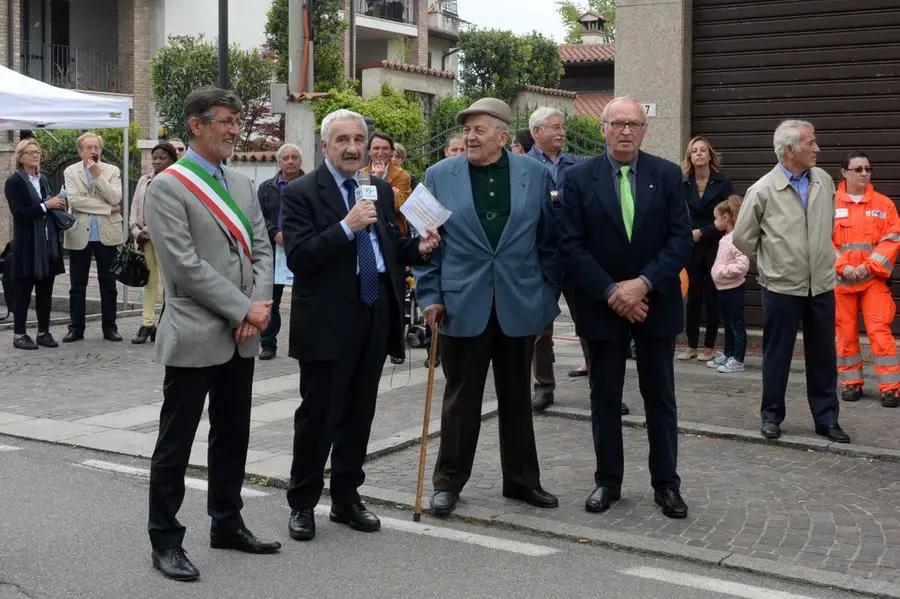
305 96
592 103
549 91
587 53
254 157
412 68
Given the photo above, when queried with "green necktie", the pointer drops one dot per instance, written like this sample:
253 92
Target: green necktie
627 200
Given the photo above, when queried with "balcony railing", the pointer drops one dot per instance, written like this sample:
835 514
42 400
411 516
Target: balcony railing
444 21
74 68
402 11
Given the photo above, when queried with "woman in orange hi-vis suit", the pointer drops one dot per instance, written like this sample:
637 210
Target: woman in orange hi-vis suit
866 240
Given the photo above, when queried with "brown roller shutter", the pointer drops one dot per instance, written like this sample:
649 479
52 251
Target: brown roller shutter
833 62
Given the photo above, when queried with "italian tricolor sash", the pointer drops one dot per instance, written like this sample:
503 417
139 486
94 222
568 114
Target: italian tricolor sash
216 198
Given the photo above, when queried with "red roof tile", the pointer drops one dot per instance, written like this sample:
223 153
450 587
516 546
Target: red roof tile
592 103
549 91
254 157
410 68
587 53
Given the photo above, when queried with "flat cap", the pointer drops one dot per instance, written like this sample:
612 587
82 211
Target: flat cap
490 106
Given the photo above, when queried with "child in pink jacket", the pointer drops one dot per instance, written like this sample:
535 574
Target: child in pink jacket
729 273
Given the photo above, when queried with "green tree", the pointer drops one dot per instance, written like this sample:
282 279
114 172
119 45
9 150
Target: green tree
59 147
570 11
187 63
390 111
498 63
328 27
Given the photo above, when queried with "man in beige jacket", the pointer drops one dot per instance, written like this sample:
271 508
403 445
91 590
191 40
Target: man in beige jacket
786 222
95 199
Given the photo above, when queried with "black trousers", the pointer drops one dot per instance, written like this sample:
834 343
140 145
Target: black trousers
337 408
79 270
783 315
269 337
656 379
229 387
544 357
702 290
43 298
465 361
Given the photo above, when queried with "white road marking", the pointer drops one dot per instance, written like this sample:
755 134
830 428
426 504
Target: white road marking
191 483
9 448
732 589
428 530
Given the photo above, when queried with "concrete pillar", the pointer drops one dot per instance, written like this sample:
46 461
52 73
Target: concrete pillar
653 65
299 129
418 47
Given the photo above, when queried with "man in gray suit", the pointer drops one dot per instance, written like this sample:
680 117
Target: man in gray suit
216 260
492 287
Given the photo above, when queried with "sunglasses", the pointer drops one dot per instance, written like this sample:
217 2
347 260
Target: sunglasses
861 169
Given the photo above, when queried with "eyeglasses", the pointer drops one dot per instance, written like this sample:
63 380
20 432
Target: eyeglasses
619 126
32 153
228 122
861 169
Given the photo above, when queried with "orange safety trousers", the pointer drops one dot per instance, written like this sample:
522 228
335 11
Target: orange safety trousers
878 310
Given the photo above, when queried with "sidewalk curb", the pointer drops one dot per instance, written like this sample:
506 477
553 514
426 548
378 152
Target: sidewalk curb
699 429
8 326
644 545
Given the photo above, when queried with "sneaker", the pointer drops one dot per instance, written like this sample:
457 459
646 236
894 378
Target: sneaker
687 354
730 366
851 392
24 342
890 399
719 360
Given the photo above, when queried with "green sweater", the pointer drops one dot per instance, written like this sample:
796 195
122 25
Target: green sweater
491 194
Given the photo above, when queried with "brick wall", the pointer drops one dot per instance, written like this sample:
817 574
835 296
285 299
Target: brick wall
7 141
418 48
134 64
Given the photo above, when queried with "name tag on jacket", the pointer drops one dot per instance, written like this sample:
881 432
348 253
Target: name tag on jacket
840 213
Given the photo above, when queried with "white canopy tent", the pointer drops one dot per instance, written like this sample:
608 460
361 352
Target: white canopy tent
27 103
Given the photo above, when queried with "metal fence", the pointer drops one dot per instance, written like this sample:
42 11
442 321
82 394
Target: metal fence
74 68
392 10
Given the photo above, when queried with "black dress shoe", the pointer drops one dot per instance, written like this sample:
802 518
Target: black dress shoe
443 502
174 564
112 335
625 410
24 342
542 400
834 433
143 334
302 525
73 336
601 499
577 372
770 430
851 392
673 506
396 360
536 497
46 340
267 353
356 516
242 540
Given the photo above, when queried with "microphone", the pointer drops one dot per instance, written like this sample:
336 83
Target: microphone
364 179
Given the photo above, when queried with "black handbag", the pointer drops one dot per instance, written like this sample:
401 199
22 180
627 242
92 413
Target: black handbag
63 220
130 266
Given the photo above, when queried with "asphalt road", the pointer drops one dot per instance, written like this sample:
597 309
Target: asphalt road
74 526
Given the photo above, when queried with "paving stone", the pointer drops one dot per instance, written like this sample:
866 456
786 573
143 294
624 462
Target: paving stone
756 500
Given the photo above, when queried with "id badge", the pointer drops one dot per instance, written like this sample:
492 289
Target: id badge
367 192
841 213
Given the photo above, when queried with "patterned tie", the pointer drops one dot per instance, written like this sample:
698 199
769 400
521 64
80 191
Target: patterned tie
365 254
627 200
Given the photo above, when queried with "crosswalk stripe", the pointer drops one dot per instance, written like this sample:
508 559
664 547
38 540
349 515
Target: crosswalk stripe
9 448
715 585
452 534
192 483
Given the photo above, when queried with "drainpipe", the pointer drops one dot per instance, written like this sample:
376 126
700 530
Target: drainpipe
446 55
10 25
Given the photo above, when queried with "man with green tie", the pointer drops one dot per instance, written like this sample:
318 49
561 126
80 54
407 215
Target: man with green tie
624 236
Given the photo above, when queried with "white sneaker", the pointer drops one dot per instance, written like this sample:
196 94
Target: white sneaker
719 360
730 366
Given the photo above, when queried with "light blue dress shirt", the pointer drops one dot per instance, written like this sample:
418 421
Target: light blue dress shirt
215 170
800 183
95 226
373 236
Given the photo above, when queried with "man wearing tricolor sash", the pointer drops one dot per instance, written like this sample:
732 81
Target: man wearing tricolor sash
216 261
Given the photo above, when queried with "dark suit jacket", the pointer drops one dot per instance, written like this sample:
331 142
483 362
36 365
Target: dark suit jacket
269 196
701 210
597 252
323 261
25 205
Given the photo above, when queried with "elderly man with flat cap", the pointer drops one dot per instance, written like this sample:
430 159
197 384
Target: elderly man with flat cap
491 287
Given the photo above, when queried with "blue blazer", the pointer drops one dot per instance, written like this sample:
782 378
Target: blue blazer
519 279
598 253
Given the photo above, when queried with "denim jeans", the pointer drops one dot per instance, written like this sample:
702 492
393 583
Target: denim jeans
732 304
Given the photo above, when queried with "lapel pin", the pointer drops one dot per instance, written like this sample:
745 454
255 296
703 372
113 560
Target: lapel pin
651 186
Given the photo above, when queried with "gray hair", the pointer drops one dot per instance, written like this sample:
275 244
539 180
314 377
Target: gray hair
605 113
288 146
787 135
325 128
541 116
202 102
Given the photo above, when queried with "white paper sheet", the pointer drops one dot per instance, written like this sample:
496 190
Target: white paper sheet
283 275
423 211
